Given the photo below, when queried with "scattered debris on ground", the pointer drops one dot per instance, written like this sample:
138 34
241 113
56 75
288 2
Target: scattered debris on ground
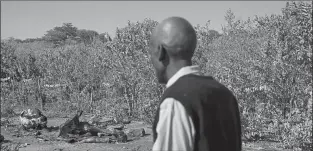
33 119
97 130
30 128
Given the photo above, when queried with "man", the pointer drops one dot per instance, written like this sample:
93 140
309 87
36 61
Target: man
196 113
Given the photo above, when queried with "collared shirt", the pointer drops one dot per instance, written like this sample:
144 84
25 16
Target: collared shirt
175 127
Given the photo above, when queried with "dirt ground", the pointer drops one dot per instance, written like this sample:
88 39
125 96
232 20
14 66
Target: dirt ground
37 144
51 144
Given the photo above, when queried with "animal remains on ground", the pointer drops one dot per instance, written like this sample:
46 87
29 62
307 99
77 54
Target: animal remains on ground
33 119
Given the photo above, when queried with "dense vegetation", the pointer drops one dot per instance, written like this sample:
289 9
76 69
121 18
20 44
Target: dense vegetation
265 61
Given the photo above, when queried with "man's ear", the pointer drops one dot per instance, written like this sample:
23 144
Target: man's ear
162 53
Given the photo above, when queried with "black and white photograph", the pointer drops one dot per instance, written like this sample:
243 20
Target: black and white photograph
156 75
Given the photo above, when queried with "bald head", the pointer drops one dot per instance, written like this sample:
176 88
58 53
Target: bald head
177 36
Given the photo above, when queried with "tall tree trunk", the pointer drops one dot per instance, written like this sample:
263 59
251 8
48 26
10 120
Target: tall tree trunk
129 101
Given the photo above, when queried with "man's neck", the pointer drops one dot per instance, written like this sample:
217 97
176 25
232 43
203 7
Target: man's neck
175 66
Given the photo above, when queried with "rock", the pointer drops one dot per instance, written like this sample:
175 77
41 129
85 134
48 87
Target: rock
135 133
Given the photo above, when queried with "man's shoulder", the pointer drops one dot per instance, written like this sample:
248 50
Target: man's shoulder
194 81
195 85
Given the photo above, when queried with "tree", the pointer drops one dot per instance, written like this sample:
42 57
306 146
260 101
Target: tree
267 63
8 60
58 35
213 34
87 36
105 37
130 65
30 40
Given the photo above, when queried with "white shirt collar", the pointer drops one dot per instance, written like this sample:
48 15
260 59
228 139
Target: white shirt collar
182 72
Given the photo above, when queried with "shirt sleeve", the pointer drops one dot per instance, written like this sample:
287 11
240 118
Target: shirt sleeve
175 128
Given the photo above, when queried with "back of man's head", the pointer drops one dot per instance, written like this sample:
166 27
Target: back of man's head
177 36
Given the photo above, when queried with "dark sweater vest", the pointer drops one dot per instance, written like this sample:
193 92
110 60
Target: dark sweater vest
213 109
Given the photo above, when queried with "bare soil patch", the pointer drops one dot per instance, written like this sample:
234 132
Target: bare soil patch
47 141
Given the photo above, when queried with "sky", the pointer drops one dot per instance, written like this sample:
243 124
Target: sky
31 19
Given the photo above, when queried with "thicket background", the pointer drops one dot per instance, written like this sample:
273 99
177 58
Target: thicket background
265 61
